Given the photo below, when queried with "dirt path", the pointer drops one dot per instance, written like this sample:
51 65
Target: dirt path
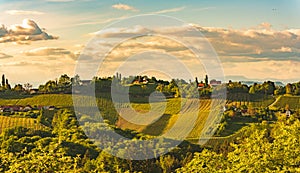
272 105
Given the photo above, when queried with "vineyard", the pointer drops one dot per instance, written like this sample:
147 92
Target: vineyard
10 122
254 104
46 99
173 122
293 102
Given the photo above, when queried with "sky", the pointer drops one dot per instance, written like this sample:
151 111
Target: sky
42 39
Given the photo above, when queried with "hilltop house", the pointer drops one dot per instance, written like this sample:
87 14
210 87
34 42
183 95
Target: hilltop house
201 85
215 83
141 80
33 91
85 82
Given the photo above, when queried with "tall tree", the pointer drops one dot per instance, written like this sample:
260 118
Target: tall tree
7 86
76 80
3 80
288 88
206 80
197 82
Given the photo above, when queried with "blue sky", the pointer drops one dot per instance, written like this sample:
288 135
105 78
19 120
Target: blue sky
70 24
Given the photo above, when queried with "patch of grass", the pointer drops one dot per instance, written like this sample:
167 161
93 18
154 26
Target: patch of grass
234 124
158 127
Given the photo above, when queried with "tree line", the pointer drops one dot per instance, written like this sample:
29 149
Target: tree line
143 85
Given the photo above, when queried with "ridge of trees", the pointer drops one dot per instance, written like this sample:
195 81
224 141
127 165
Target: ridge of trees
145 84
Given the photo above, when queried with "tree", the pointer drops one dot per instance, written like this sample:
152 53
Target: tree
18 88
64 80
206 80
76 80
27 86
7 86
64 83
50 86
197 82
3 80
252 90
288 88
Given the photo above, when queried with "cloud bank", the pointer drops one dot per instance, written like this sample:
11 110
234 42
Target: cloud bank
262 42
23 33
259 49
256 44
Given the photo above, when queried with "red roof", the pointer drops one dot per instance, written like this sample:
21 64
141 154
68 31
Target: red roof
201 85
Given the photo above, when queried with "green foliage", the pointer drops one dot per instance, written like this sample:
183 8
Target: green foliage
264 149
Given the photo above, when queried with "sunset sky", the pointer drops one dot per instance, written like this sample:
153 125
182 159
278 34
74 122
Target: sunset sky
42 39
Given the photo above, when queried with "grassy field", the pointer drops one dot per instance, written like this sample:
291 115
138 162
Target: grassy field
292 101
10 122
59 100
45 99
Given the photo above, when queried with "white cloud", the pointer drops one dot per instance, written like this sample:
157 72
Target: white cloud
124 7
25 32
169 10
283 49
23 12
3 55
50 52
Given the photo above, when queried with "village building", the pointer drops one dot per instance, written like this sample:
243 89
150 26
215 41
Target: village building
215 83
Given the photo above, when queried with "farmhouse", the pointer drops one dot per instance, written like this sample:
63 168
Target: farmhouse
215 83
33 91
201 85
85 82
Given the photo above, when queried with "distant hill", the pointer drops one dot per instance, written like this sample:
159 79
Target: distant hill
248 81
277 83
